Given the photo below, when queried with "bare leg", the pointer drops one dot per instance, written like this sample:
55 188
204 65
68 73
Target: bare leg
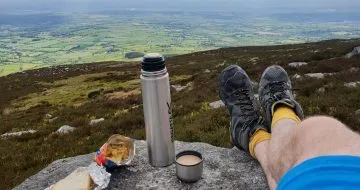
264 150
292 144
261 155
281 140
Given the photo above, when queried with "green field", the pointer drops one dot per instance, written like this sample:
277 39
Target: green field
90 37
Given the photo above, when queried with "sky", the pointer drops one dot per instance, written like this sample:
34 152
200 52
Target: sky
205 5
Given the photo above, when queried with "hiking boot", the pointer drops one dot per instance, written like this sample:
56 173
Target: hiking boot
275 89
236 92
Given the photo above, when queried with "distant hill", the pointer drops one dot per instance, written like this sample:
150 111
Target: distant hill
45 99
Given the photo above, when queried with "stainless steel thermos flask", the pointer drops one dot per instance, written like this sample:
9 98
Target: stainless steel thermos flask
157 110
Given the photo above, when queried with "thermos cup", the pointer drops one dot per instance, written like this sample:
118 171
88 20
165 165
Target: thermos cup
157 110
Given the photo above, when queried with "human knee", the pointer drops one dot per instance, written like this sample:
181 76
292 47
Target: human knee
318 133
322 135
317 122
316 128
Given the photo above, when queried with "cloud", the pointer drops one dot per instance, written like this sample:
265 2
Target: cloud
176 4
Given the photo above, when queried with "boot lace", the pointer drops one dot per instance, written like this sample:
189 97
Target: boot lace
277 91
244 102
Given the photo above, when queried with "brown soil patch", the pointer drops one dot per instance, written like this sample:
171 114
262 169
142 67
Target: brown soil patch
122 95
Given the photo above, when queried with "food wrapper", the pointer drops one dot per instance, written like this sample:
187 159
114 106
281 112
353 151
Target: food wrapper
99 176
117 151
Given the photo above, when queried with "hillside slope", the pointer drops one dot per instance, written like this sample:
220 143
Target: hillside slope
46 99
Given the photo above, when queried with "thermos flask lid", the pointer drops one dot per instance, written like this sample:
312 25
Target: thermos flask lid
153 62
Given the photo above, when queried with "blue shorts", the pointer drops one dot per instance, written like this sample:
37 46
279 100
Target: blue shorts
325 172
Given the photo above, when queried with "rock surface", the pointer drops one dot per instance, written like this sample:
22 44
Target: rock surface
53 119
254 60
357 112
223 169
65 129
321 90
179 88
18 133
296 76
315 75
297 64
355 52
96 121
217 104
354 69
221 64
48 116
352 84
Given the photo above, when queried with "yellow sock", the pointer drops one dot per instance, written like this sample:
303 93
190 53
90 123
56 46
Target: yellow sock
284 112
258 137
